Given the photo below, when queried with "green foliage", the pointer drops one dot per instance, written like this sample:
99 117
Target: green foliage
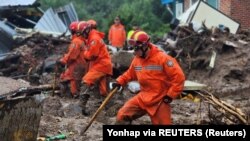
150 15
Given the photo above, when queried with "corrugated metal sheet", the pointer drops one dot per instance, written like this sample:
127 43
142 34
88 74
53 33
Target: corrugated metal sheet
16 2
50 22
6 40
71 12
67 13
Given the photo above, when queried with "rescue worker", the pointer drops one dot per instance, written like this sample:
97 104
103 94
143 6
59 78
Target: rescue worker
161 80
74 60
92 23
117 34
100 66
134 28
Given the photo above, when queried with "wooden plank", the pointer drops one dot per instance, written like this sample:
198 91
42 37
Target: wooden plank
191 85
212 61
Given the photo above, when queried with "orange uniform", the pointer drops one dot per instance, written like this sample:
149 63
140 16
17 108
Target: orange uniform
99 61
117 35
76 65
159 75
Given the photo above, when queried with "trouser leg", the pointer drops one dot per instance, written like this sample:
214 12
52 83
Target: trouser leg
162 115
103 86
74 88
129 112
84 97
63 88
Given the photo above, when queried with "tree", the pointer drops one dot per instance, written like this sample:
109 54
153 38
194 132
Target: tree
150 15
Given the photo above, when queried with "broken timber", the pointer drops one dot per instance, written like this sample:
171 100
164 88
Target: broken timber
232 113
28 91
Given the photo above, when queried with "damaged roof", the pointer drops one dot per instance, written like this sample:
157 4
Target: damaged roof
4 3
51 22
67 13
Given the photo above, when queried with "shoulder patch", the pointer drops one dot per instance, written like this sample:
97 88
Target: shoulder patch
170 63
92 43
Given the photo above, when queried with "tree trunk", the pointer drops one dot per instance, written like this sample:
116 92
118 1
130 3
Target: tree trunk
19 119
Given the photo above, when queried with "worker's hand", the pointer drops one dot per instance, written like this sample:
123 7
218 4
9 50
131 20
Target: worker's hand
59 63
116 85
167 99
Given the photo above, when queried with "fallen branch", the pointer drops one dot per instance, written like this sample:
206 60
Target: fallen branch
223 107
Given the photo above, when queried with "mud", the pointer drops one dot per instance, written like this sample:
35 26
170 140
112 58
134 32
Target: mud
8 84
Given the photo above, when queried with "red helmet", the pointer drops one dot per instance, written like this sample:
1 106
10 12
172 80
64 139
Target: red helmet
73 26
139 38
82 26
92 23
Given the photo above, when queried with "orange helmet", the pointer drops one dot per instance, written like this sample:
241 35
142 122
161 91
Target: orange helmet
92 23
73 26
82 26
139 38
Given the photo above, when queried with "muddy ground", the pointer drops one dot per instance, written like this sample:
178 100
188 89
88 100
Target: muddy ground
229 80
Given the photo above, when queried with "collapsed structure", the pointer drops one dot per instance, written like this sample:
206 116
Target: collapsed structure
18 17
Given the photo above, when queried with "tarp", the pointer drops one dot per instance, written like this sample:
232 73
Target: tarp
166 1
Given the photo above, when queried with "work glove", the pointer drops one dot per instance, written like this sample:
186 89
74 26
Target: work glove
116 85
60 64
167 99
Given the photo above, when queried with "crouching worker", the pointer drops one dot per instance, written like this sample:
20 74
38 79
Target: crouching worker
161 80
74 60
100 66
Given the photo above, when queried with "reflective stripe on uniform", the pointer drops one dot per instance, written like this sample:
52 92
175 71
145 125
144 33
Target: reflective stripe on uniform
138 68
153 67
149 67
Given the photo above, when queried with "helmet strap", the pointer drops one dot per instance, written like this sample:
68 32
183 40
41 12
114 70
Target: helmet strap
144 51
72 32
85 33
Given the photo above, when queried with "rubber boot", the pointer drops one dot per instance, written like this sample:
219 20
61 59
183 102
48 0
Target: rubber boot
84 100
84 97
75 96
63 88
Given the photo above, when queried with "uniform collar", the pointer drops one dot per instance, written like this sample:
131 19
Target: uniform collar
152 51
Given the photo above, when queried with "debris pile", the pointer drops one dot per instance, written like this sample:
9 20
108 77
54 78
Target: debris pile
213 57
35 55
